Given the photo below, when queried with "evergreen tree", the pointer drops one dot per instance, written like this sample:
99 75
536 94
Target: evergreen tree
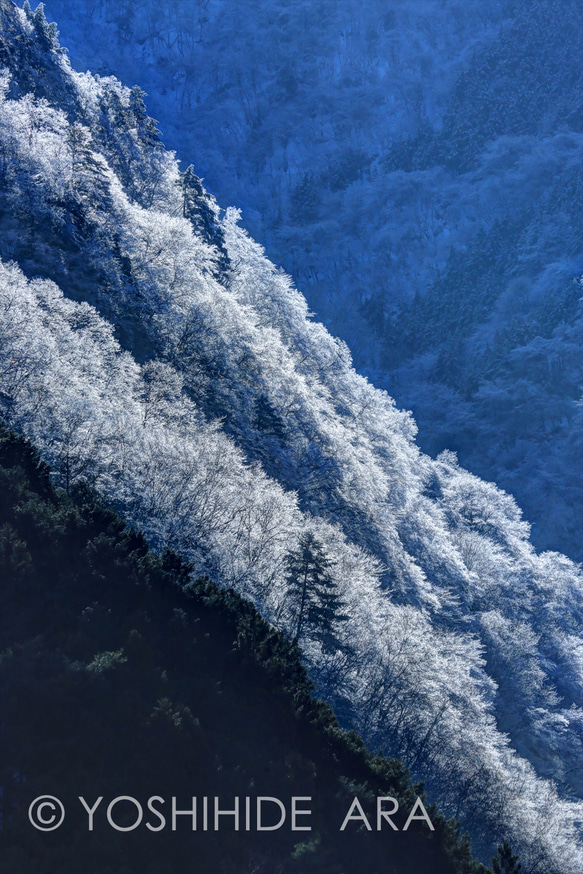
313 593
196 208
147 130
48 33
505 862
267 419
305 201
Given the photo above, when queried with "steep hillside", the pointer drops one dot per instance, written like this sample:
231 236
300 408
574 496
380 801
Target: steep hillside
416 166
148 682
150 349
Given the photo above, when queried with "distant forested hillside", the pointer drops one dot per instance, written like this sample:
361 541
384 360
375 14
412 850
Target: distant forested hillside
416 166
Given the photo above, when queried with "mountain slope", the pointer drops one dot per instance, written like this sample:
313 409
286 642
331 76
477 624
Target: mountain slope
221 706
226 424
417 168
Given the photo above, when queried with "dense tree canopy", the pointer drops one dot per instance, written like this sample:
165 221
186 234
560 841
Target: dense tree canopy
416 166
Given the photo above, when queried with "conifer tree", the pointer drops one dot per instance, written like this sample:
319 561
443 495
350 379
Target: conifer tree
313 593
196 209
47 33
505 861
147 130
267 419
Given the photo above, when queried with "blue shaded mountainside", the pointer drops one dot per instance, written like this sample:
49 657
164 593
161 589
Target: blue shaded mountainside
416 166
150 349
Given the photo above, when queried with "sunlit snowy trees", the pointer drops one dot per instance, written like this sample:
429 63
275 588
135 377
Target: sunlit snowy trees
417 167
